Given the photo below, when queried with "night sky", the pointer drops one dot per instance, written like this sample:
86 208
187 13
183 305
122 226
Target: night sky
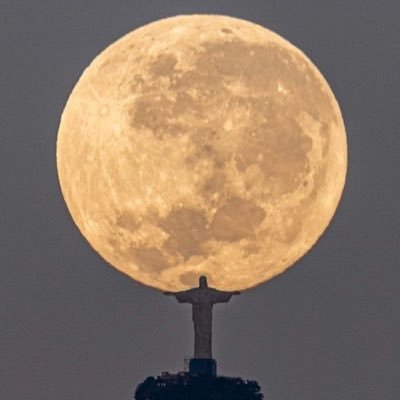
72 327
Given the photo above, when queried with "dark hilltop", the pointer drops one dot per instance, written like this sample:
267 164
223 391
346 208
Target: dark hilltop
184 386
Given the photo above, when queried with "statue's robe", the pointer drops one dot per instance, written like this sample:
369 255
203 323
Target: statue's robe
202 300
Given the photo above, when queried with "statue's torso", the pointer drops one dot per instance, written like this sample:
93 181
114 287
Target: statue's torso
202 306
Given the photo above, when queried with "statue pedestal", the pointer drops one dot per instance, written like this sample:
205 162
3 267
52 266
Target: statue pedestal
202 367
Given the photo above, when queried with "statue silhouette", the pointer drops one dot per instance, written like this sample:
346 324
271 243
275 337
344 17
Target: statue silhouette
202 299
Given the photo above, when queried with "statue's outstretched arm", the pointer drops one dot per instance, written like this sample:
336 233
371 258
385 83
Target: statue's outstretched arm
223 297
183 297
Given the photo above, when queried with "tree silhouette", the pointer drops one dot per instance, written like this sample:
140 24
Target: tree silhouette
183 387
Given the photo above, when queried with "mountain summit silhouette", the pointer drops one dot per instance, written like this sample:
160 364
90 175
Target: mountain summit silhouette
183 386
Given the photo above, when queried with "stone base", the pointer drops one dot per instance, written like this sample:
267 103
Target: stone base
202 367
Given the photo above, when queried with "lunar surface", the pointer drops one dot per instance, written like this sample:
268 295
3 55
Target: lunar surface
202 145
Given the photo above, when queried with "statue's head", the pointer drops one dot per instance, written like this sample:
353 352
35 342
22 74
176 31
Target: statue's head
203 281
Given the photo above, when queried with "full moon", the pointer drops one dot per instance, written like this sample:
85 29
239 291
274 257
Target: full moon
202 145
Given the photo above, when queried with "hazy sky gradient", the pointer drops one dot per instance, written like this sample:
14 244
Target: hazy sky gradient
72 327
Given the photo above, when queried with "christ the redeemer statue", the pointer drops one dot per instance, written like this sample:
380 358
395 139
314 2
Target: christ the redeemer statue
202 299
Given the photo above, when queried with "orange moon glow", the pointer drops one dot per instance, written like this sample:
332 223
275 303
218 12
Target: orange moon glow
202 145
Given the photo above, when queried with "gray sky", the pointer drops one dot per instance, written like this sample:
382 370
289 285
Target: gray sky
71 327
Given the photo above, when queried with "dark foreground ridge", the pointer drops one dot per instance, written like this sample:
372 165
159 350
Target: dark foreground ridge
183 386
